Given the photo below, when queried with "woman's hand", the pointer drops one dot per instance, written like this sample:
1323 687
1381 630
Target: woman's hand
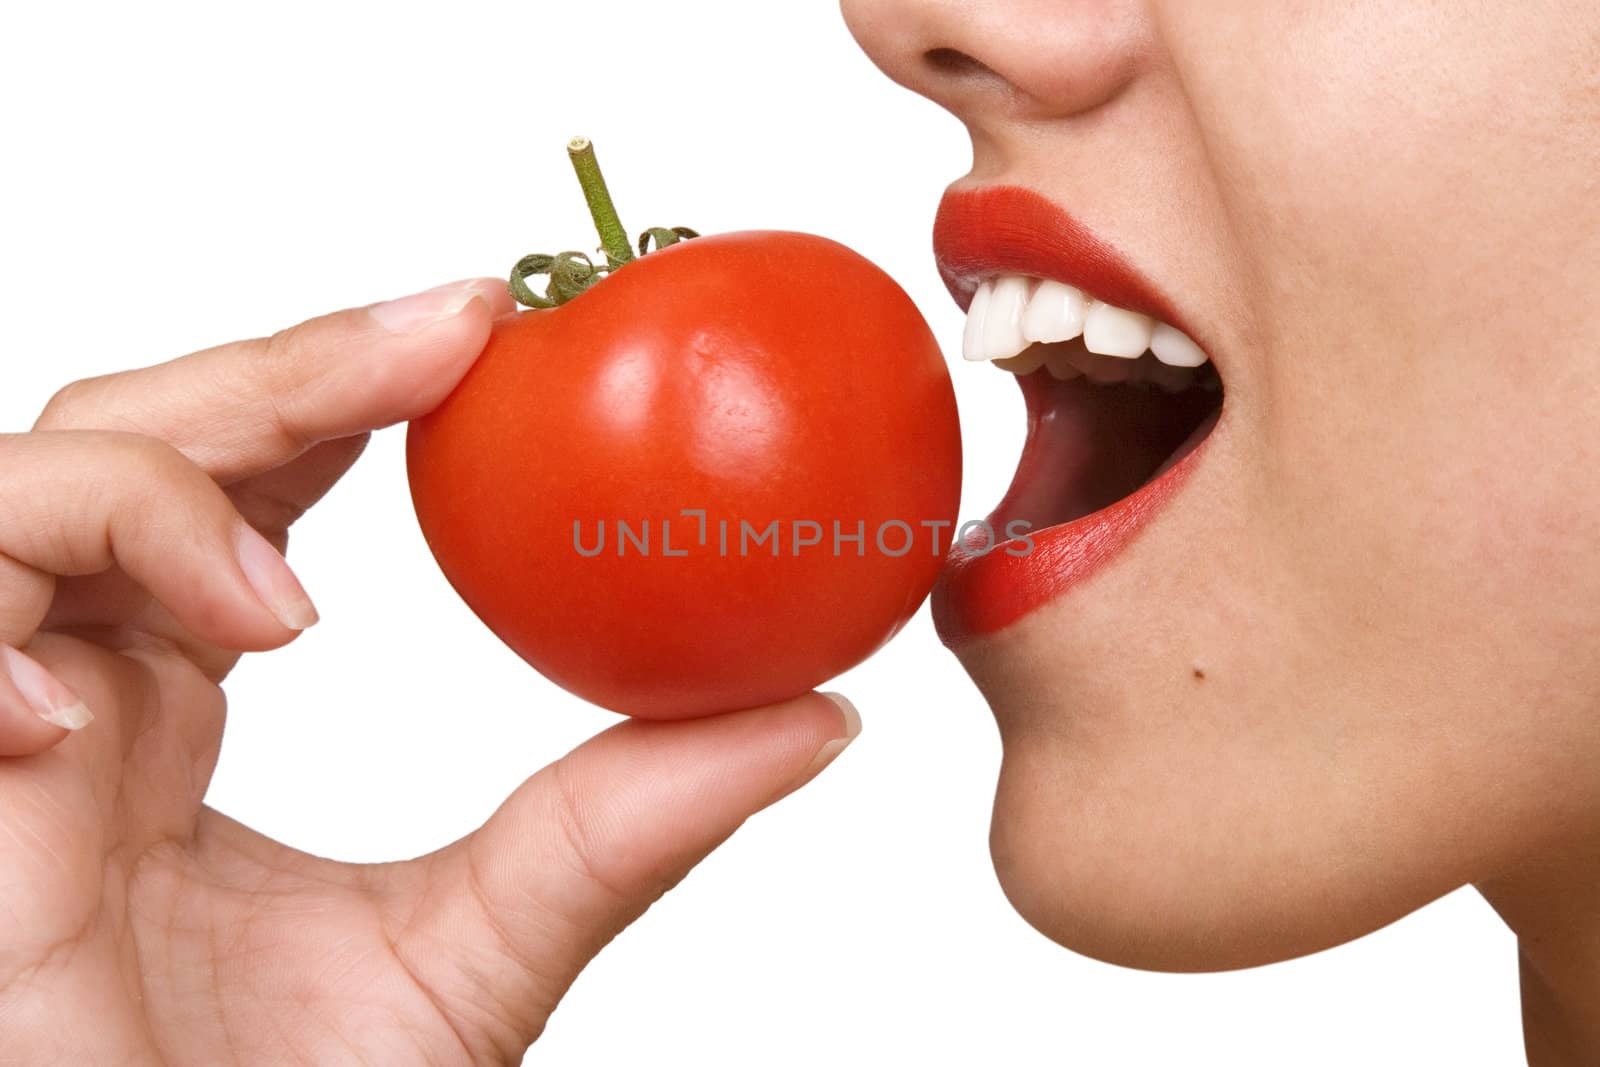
137 531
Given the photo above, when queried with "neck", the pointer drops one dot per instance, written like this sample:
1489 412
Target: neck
1553 907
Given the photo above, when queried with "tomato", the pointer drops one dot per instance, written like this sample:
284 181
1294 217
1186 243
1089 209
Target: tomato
596 487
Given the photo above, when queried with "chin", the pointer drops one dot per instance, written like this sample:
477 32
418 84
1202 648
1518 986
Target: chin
1135 825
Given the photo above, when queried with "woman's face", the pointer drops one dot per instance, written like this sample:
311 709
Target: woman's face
1350 662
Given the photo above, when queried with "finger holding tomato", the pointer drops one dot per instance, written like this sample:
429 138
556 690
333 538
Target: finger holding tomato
142 528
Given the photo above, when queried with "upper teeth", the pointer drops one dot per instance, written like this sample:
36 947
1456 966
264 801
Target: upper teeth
1011 312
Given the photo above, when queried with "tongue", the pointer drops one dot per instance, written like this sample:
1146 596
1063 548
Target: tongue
1089 446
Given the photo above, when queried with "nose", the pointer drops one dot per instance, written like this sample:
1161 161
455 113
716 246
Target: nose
1014 59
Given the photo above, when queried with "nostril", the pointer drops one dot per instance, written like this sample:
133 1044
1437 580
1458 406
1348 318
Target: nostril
953 63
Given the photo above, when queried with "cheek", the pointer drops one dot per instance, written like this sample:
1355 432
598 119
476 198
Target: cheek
1400 183
1421 403
1461 508
1345 130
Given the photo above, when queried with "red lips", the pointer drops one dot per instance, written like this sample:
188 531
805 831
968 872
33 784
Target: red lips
1009 230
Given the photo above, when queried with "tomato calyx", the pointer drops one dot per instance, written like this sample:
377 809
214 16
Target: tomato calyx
572 273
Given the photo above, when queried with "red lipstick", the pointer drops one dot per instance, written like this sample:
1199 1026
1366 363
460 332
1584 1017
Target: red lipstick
1099 464
1006 229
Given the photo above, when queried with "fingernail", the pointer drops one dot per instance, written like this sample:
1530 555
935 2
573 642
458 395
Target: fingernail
46 694
274 583
830 751
415 313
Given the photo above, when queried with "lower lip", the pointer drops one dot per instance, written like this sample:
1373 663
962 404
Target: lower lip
980 593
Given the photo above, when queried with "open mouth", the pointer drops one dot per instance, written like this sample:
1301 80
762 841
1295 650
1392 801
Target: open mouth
1115 398
1120 400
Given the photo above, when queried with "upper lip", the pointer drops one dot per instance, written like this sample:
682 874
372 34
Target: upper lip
1007 229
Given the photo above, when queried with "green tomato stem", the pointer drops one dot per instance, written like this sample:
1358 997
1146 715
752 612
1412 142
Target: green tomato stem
573 273
613 238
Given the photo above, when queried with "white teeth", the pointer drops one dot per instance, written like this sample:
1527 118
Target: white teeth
1055 313
1173 347
996 331
1010 312
1114 331
1002 331
977 314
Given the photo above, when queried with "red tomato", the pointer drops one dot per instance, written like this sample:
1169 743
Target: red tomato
756 377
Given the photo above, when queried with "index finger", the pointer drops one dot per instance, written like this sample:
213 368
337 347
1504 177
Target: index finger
244 408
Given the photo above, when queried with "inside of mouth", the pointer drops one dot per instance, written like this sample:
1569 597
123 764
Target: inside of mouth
1090 445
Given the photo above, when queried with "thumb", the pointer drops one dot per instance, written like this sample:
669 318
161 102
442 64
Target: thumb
510 915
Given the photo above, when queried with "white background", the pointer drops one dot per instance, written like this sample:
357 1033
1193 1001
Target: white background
180 176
